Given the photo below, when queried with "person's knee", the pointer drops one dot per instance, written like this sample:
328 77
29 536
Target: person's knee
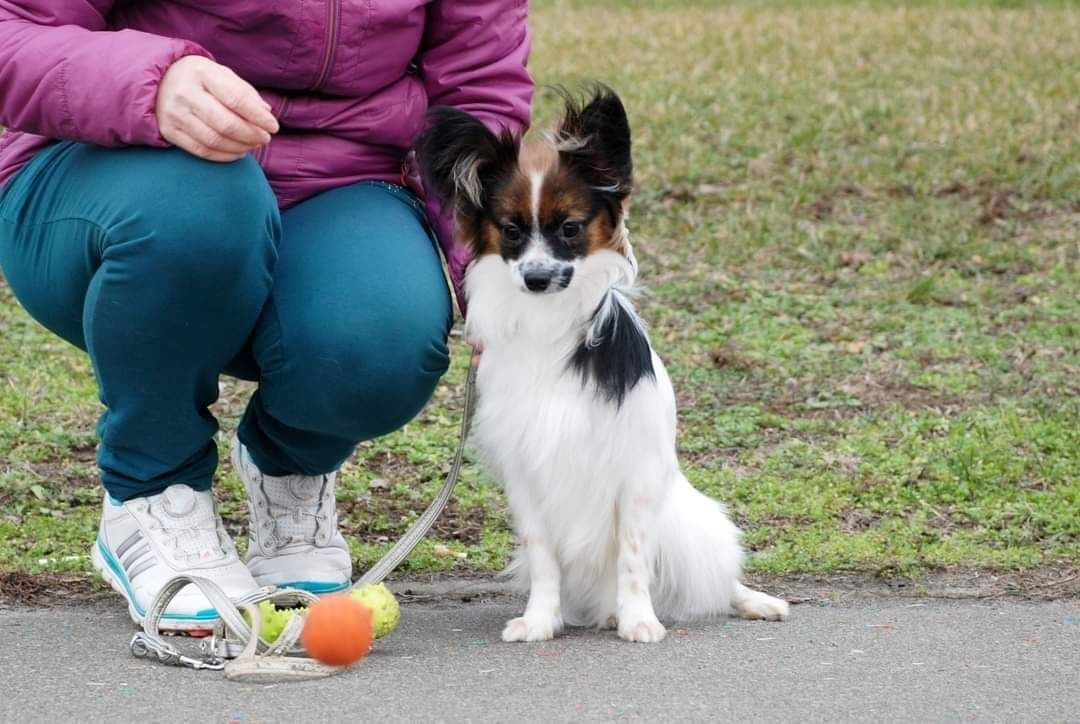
358 386
210 224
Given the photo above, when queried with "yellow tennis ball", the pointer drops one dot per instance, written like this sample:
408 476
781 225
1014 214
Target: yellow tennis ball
273 620
385 610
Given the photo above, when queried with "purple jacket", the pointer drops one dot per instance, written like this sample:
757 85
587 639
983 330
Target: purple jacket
349 80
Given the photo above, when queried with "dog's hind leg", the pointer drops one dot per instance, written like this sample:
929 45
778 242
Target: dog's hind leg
752 604
634 608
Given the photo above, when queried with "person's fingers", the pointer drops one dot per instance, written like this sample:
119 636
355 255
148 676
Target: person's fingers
227 124
195 147
209 137
241 98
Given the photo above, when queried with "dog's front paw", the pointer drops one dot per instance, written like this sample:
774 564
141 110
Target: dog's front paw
532 628
643 629
761 606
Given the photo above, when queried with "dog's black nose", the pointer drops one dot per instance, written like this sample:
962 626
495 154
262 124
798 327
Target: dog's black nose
537 280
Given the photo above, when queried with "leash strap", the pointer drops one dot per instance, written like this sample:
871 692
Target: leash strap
236 647
423 524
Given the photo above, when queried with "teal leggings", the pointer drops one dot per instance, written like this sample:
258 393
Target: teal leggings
169 270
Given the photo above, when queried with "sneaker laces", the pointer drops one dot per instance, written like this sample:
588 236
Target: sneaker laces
297 515
189 524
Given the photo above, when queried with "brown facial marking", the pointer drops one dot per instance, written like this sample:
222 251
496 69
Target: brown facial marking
562 199
490 238
513 200
601 235
562 196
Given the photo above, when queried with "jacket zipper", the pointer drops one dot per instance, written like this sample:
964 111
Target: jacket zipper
333 20
262 156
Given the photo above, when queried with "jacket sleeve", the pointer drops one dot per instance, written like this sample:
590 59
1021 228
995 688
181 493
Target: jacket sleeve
474 58
64 74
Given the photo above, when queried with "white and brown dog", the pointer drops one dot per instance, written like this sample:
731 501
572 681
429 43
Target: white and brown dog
575 411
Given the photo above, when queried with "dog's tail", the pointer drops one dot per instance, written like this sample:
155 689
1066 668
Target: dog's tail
698 558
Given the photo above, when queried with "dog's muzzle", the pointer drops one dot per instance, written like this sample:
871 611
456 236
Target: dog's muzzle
540 279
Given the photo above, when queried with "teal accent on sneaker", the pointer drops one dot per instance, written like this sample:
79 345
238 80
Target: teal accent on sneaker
206 614
316 587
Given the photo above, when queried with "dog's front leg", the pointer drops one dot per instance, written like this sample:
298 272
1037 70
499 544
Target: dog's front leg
542 618
636 617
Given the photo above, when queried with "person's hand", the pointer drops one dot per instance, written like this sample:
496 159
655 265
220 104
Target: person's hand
211 112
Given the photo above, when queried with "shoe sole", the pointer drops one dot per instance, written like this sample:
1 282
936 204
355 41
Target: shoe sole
319 588
171 623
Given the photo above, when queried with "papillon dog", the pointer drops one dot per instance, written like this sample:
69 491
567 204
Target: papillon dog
575 412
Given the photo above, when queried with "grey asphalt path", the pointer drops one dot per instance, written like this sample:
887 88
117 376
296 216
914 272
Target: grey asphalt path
881 659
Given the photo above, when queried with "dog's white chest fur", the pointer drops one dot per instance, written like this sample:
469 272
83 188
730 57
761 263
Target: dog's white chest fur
544 436
537 419
539 414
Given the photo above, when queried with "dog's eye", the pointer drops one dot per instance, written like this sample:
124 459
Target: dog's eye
570 229
511 232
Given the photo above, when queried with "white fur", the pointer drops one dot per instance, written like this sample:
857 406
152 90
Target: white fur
610 531
536 184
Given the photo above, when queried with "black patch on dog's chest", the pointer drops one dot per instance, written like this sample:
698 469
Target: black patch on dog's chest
619 356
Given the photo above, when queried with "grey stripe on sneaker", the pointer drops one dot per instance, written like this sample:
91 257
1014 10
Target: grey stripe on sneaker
135 556
145 565
128 542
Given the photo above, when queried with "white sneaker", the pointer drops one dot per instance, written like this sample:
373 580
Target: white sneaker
293 538
145 542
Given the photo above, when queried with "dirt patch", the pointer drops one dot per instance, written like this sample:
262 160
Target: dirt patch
48 589
1047 583
730 357
461 524
857 396
359 519
390 467
995 202
854 520
824 205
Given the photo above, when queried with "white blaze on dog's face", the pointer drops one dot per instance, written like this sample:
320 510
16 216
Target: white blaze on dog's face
544 209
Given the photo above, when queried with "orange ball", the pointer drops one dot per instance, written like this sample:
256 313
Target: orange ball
338 630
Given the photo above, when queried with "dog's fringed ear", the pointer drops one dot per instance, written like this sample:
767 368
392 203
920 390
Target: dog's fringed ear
594 139
461 159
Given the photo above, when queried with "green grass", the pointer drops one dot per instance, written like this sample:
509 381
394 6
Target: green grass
859 227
